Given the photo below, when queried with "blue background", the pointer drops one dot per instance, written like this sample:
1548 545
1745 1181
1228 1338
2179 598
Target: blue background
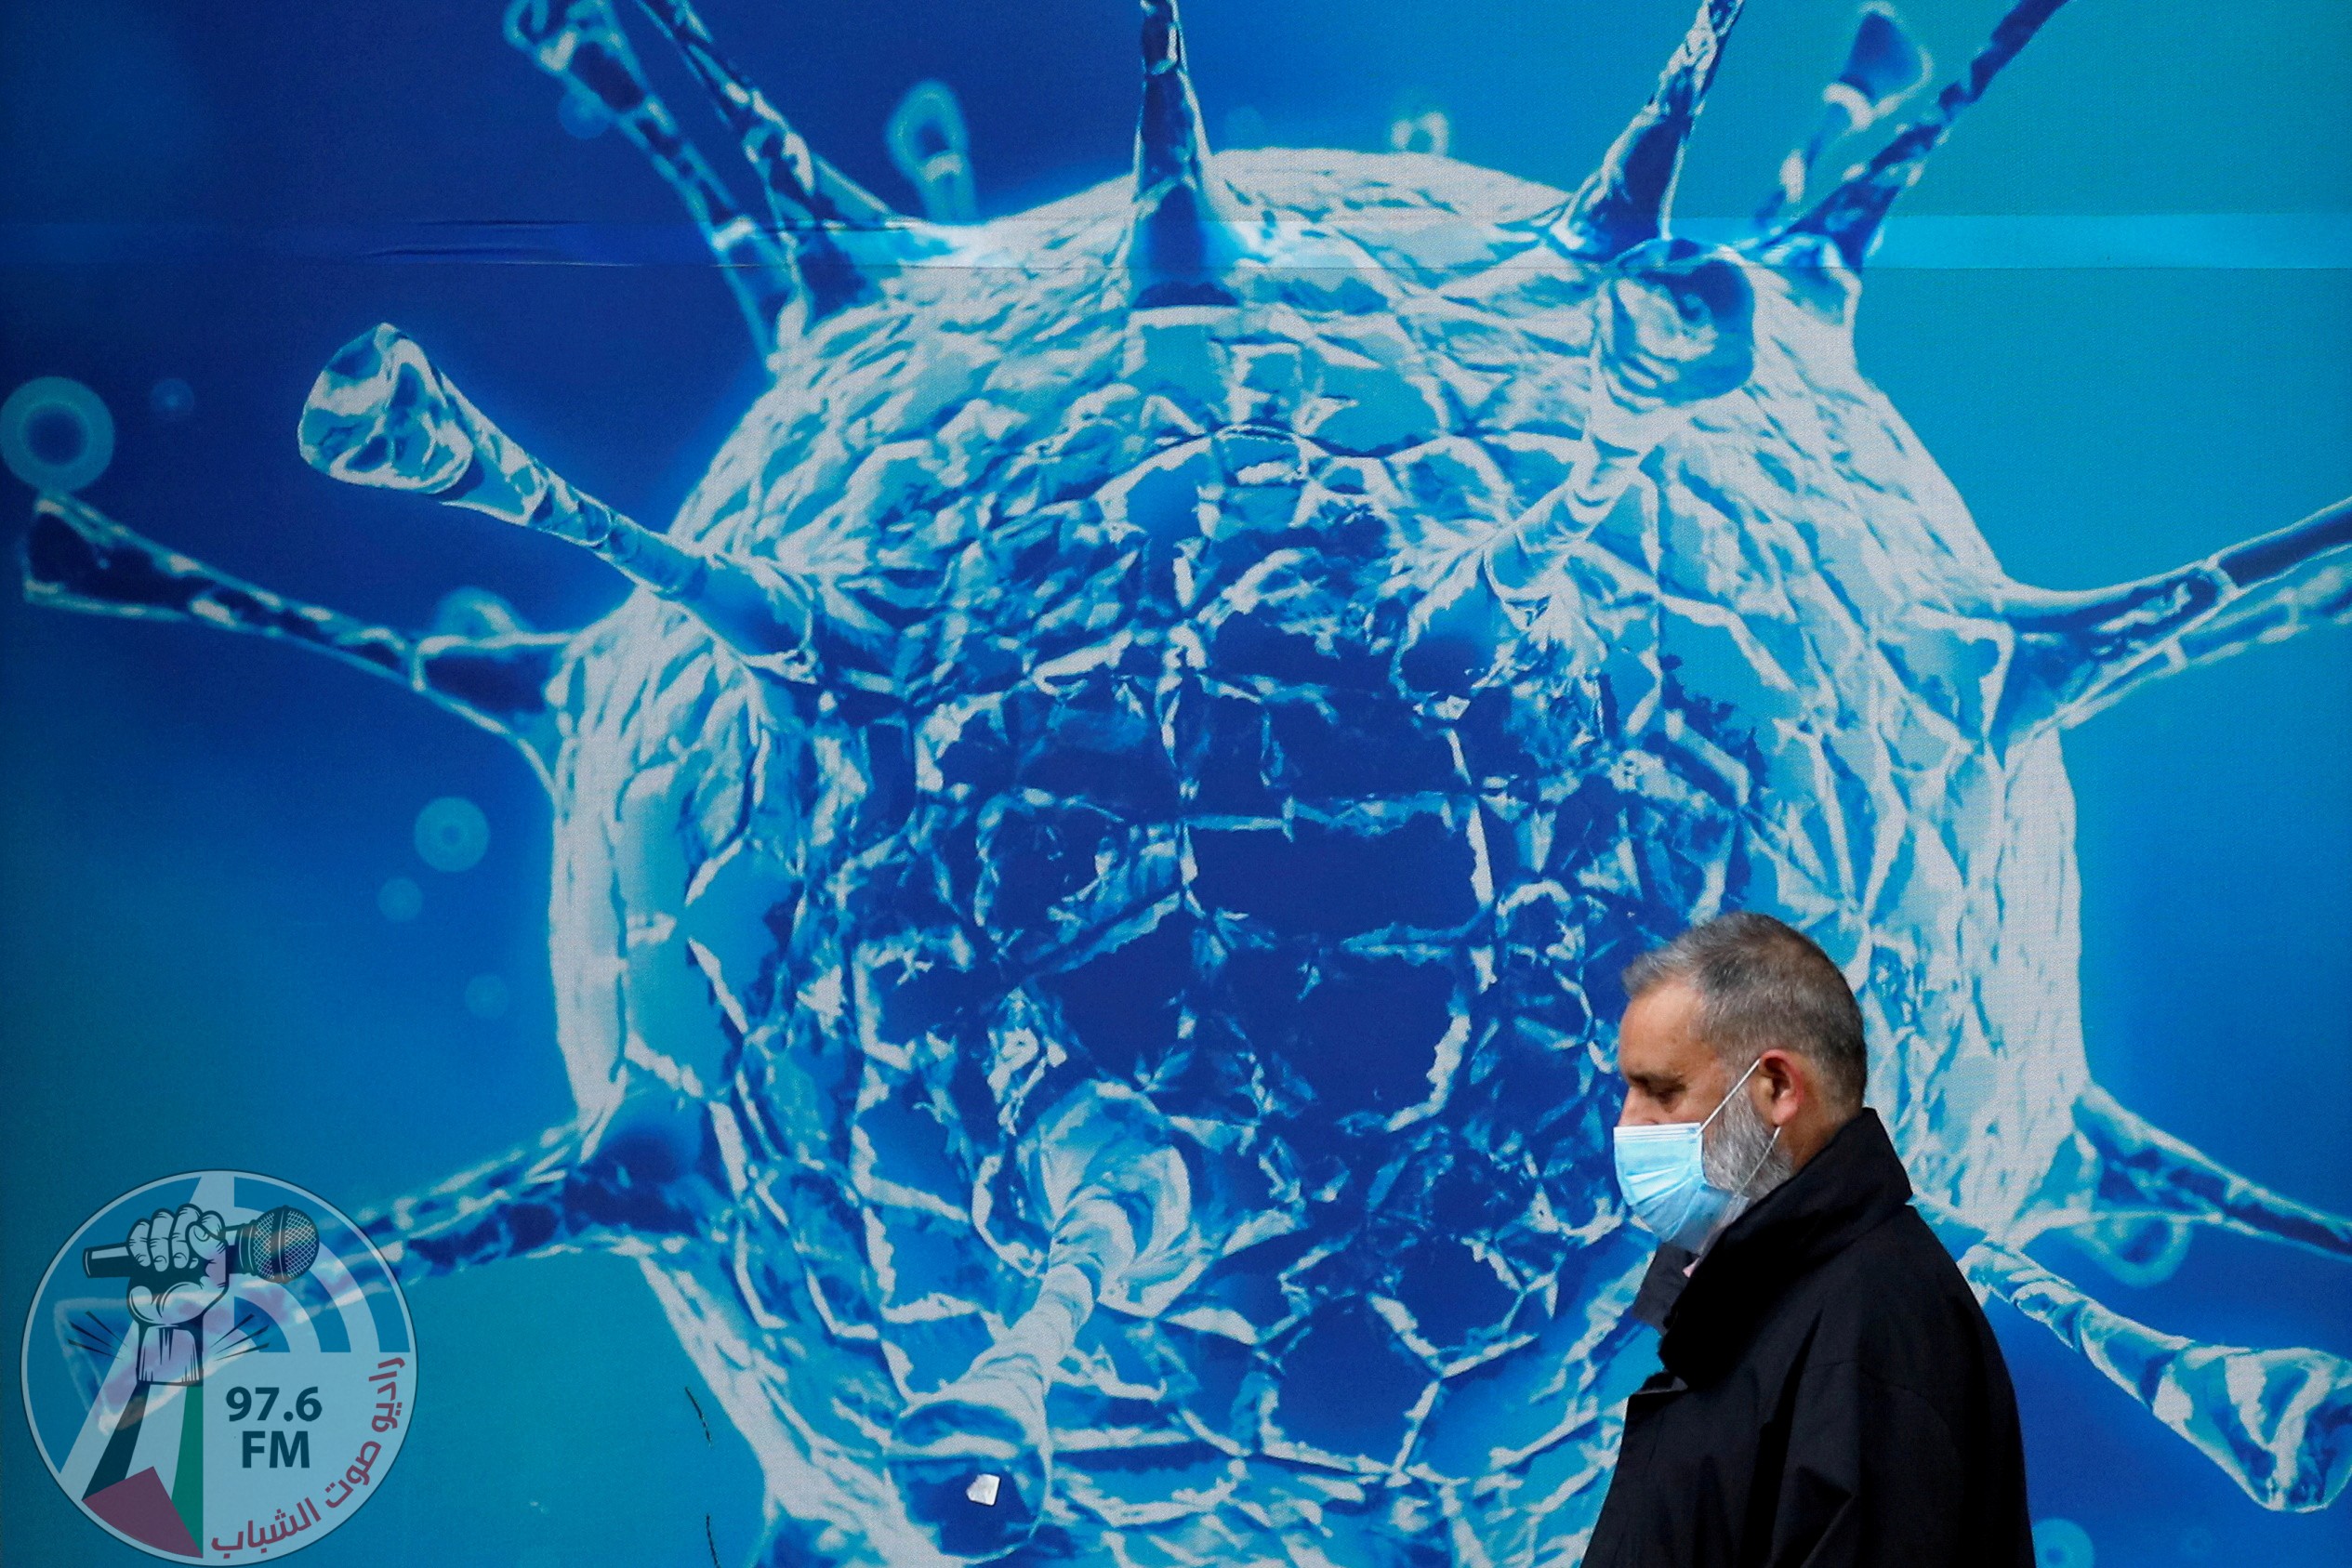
194 970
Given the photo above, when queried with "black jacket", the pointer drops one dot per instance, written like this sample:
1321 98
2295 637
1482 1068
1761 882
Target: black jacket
1832 1396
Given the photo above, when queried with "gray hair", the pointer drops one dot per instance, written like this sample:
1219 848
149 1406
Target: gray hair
1762 984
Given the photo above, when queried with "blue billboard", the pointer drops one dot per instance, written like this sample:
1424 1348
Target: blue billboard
1000 707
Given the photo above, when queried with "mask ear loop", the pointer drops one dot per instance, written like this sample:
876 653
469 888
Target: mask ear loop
1735 1089
1740 1192
1760 1160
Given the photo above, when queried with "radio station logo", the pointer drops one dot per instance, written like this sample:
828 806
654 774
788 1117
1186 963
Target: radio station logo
219 1367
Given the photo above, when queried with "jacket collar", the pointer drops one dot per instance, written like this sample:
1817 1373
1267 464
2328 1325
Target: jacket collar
1851 1187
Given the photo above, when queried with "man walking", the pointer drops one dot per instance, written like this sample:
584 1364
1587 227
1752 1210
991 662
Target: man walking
1833 1396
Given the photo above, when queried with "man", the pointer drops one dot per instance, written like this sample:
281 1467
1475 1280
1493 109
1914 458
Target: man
1833 1396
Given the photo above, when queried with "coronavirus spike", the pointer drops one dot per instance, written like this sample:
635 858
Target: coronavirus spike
973 1461
580 43
1676 328
1625 200
570 1191
1850 217
77 558
2077 652
810 200
1183 236
2276 1421
931 147
984 1439
2116 1167
380 415
1883 66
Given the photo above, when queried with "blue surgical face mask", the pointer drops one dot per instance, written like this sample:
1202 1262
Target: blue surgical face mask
1662 1171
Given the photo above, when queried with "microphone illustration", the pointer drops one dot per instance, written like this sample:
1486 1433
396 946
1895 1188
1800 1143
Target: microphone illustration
277 1247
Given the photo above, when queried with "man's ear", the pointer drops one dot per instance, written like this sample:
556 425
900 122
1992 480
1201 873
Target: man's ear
1787 1082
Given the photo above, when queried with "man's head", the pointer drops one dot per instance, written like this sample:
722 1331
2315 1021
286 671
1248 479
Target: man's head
1743 992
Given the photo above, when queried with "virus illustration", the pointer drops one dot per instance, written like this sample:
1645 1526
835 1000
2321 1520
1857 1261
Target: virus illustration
1090 879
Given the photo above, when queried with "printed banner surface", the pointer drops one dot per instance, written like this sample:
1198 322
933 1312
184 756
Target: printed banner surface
1000 707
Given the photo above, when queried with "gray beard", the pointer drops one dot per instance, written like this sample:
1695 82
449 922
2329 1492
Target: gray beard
1740 1155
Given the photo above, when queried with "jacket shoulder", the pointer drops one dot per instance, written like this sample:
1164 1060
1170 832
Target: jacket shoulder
1895 1303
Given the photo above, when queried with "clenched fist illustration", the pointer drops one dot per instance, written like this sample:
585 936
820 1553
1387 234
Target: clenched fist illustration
185 1259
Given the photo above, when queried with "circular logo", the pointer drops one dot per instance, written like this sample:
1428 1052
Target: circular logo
219 1367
